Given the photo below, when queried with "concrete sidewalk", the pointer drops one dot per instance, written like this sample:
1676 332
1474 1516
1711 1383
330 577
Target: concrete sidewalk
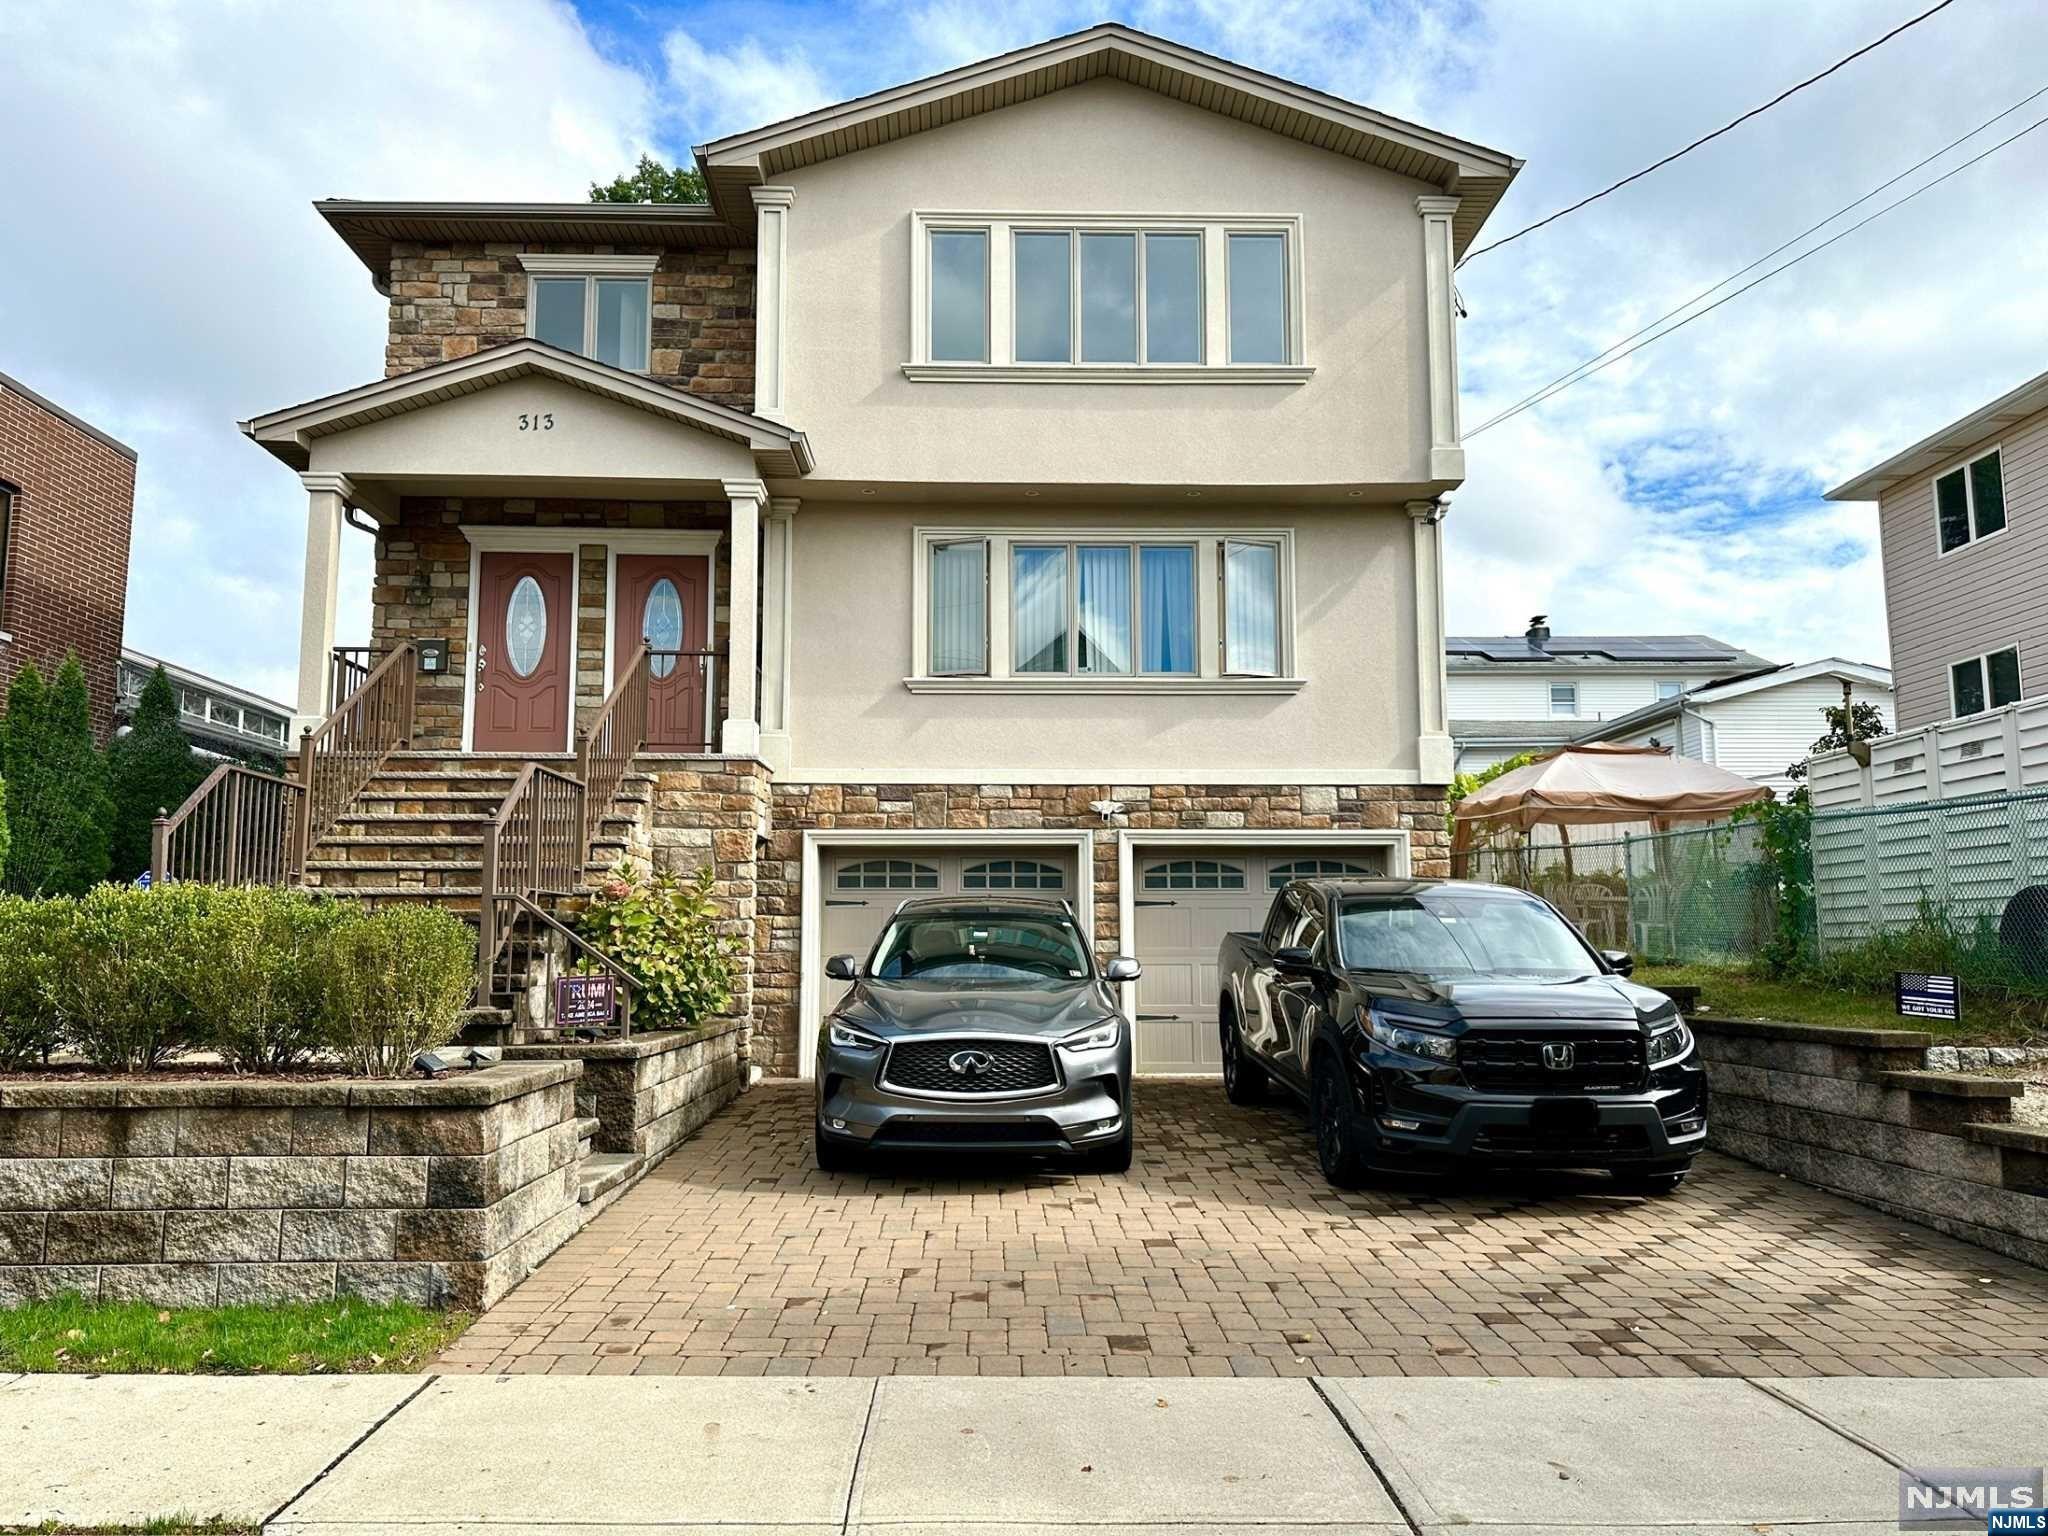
430 1456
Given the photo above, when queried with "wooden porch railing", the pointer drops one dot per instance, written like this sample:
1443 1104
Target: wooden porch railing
345 751
533 847
240 827
348 668
607 747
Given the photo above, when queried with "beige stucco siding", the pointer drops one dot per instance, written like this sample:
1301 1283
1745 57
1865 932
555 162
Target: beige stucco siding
1983 597
1355 720
1107 147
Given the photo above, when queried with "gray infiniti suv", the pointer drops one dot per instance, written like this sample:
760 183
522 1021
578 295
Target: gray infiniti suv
977 1024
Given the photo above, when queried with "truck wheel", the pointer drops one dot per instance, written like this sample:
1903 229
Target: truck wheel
1338 1139
1244 1080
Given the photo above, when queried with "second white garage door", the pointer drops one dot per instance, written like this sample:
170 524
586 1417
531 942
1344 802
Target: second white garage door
1185 901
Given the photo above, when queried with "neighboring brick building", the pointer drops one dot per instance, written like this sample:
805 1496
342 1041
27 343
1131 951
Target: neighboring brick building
67 505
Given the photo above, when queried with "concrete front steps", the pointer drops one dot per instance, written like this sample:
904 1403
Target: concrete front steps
416 831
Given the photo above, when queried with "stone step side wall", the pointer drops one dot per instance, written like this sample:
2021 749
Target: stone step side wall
1849 1111
650 1092
440 1193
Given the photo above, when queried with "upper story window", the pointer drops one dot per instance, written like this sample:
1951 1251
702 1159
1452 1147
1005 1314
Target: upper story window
1165 607
1564 699
1985 682
1014 296
599 307
1669 688
1969 501
6 542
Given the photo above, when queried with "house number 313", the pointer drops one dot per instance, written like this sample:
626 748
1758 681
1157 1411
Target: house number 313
536 421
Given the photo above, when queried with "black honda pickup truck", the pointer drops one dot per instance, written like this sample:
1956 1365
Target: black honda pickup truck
1431 1024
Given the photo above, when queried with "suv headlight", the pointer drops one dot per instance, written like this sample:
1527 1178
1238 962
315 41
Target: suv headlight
1669 1041
1412 1041
849 1038
1097 1037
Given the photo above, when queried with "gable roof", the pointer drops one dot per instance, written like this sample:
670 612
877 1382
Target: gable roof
1476 653
1938 448
1477 175
288 433
1736 687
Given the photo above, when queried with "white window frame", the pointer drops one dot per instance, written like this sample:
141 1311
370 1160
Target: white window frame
1675 685
589 269
999 318
1963 467
1000 676
1982 662
1555 713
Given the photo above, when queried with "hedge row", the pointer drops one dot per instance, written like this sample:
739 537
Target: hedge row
270 979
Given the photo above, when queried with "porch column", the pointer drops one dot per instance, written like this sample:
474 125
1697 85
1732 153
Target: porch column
742 734
1446 447
778 581
771 297
327 495
1435 753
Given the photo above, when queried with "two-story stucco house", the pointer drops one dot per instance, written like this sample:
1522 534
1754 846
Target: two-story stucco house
1028 478
1963 521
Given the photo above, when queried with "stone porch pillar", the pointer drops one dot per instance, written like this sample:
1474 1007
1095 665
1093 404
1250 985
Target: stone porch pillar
327 497
741 736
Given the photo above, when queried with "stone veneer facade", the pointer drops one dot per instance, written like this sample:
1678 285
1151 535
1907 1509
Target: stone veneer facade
422 589
450 301
1193 808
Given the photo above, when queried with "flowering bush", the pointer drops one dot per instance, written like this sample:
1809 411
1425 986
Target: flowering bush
662 929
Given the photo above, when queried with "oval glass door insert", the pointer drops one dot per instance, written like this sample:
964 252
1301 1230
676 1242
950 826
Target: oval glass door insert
526 626
661 623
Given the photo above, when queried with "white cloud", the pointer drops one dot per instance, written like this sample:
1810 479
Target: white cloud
739 87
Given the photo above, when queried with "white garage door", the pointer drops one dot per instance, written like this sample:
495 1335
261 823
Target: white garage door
1186 900
863 887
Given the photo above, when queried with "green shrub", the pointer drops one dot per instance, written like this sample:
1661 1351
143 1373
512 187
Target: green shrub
151 769
255 971
118 959
397 980
57 806
662 930
29 1029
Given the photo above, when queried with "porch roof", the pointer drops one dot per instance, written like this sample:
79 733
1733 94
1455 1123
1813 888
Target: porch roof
779 451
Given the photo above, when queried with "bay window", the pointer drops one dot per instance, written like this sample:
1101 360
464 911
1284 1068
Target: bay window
1045 297
1164 608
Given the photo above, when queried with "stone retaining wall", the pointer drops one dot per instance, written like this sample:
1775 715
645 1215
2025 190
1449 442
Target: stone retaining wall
650 1092
192 1194
1849 1110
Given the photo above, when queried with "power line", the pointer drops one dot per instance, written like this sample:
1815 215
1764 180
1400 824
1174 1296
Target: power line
1575 377
1565 380
1710 137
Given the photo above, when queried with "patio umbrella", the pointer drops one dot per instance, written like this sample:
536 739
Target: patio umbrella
1597 785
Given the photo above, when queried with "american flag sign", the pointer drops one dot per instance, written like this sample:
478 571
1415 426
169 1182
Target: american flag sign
1922 996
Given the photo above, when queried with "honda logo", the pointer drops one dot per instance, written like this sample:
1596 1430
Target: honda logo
970 1063
1558 1056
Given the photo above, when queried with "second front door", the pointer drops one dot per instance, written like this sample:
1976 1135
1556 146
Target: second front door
521 679
664 600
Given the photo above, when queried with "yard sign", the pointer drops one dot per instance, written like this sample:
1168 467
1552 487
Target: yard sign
583 1002
1920 996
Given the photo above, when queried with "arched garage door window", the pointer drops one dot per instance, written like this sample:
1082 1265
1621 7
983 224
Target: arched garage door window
888 875
1013 875
1194 875
1312 869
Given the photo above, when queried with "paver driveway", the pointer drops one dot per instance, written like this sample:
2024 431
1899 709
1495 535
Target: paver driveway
1223 1252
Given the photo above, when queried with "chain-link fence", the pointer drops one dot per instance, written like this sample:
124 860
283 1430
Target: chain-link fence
1957 886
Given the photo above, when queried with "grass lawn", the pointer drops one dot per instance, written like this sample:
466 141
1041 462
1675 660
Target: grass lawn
70 1334
162 1525
1737 994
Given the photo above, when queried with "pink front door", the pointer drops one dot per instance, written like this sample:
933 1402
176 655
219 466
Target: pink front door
525 620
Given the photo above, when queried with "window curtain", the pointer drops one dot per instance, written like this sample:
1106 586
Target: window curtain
1166 586
1105 617
960 607
1251 598
1038 607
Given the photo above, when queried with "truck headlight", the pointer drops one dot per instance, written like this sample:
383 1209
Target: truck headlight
1097 1037
1669 1041
1410 1040
849 1038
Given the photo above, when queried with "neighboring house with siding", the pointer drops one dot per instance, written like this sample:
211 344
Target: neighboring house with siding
1756 726
999 514
67 507
1535 691
1963 520
220 718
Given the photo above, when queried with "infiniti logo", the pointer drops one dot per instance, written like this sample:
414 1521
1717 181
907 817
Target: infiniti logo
1558 1056
970 1063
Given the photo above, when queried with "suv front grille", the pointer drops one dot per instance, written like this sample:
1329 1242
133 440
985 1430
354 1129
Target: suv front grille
1011 1066
1512 1062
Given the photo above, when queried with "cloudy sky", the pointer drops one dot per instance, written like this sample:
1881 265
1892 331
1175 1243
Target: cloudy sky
163 275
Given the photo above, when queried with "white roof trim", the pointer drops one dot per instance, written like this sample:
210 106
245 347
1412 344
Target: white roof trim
288 433
1957 438
1829 666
